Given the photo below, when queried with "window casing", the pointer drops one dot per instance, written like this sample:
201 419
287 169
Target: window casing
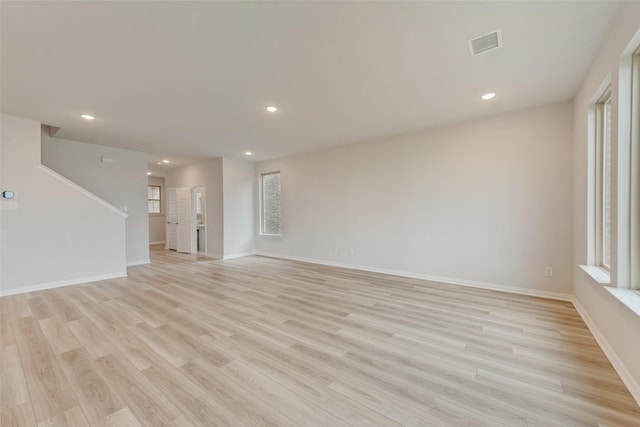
155 199
270 201
603 181
634 204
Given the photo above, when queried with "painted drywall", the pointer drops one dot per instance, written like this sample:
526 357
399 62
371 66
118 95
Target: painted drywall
157 223
208 174
57 235
122 183
239 207
618 326
486 202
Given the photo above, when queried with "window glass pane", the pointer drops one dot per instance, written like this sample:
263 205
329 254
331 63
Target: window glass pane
271 203
606 185
153 194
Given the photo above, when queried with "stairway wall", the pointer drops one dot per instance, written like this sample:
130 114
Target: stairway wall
53 233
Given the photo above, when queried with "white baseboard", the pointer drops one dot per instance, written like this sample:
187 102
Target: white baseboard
454 281
60 283
139 262
239 255
625 376
157 243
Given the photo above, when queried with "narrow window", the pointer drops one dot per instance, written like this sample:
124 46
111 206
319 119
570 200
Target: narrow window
603 184
635 173
270 203
154 196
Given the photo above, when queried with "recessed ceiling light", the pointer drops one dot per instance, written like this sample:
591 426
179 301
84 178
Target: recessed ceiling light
87 116
488 96
148 173
272 109
248 153
165 161
160 163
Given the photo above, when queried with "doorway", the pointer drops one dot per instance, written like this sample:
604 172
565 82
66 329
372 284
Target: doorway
200 218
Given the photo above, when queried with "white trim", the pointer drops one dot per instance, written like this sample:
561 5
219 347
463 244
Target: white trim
239 255
61 283
628 297
625 376
454 281
600 275
82 190
138 262
157 243
623 108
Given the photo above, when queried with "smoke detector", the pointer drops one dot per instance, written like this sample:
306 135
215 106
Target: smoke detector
485 43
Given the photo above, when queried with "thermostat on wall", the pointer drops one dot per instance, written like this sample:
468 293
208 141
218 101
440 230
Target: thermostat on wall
8 194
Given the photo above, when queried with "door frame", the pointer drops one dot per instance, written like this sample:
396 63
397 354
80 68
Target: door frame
194 219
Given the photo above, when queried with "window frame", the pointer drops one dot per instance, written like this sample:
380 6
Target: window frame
634 193
622 281
262 204
601 189
159 200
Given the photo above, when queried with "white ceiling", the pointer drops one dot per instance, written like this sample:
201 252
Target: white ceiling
190 80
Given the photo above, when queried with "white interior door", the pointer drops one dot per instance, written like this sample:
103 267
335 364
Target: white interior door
183 214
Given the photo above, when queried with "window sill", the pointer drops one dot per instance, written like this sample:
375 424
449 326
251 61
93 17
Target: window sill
270 235
601 276
628 297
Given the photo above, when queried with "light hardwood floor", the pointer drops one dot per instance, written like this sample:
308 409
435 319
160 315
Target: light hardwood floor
190 341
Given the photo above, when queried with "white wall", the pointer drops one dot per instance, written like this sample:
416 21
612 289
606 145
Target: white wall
483 202
157 223
208 174
57 235
239 207
617 327
121 183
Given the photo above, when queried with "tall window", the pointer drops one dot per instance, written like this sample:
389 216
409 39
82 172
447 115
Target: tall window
635 173
270 203
155 199
603 184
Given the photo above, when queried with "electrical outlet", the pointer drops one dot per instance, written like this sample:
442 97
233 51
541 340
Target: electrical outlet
548 271
335 250
350 251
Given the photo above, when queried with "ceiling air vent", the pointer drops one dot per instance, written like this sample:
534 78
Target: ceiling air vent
485 43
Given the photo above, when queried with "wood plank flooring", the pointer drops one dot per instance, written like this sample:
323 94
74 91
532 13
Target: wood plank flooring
191 341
